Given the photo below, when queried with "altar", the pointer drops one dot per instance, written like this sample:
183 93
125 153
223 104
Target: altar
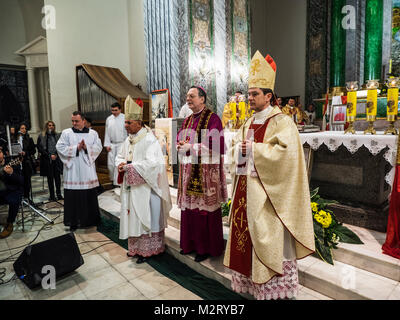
355 170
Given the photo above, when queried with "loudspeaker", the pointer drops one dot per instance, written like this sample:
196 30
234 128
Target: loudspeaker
61 252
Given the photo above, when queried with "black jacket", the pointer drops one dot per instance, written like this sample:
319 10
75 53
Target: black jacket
28 146
13 182
45 156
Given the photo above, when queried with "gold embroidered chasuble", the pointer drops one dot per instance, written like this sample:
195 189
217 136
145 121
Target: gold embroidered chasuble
278 197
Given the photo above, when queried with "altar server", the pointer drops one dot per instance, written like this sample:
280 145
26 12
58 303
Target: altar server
114 136
78 148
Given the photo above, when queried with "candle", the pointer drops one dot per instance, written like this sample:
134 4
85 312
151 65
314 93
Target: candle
372 103
242 110
233 110
393 100
351 103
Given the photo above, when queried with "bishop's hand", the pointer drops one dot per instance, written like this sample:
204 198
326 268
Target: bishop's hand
121 167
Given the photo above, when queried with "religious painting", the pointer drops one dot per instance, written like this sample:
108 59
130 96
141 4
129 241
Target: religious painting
159 104
339 114
163 132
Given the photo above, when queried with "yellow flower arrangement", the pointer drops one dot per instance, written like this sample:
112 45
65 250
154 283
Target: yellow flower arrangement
328 231
314 206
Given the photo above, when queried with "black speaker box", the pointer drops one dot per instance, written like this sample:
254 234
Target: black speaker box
61 252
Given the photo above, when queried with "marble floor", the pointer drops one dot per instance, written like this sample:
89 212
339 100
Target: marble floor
107 273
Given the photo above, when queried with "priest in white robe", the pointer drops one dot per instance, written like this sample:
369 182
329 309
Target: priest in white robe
114 136
145 197
78 148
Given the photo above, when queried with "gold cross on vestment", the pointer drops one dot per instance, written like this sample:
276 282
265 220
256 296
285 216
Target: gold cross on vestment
241 220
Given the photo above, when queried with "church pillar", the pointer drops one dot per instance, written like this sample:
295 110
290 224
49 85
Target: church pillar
33 108
338 46
373 39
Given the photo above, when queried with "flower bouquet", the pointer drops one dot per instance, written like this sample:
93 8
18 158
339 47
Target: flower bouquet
328 231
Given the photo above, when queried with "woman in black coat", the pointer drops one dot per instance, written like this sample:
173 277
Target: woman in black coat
50 164
28 153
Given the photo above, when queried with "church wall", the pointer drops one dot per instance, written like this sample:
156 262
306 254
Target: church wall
90 31
279 29
12 32
137 50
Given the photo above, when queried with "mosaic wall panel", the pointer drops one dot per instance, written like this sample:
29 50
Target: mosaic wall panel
201 56
395 49
317 49
241 53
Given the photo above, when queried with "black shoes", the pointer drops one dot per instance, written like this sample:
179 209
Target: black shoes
141 260
201 257
60 197
183 253
73 228
52 199
129 256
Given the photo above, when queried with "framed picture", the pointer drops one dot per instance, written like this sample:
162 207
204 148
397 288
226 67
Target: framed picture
339 114
163 132
160 104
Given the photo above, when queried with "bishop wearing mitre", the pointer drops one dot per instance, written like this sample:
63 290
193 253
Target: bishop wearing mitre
270 218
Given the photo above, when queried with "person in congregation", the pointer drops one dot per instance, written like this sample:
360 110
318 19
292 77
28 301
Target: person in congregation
270 222
78 149
114 136
145 196
11 192
311 114
300 116
289 109
227 113
28 163
50 163
202 185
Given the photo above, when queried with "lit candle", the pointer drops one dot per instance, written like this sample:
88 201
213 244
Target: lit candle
352 103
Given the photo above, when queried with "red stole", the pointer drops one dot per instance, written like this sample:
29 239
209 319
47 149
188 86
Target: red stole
241 246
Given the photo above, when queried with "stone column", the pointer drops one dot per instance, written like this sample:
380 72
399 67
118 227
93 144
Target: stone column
33 108
373 39
338 45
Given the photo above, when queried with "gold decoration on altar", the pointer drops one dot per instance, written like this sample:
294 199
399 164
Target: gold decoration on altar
372 105
392 103
352 87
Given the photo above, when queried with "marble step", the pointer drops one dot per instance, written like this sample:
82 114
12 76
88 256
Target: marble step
213 268
345 282
368 256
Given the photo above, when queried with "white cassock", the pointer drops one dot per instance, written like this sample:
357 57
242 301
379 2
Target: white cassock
79 170
114 136
144 207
